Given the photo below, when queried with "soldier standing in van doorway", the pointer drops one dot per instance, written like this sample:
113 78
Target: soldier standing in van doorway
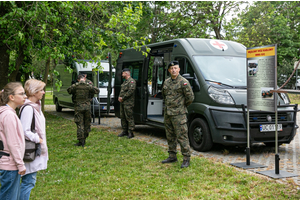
126 99
82 93
178 94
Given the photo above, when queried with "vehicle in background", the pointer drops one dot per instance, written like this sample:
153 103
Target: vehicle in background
217 72
62 99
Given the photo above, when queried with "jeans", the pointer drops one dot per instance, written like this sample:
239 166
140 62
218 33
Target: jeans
10 184
28 183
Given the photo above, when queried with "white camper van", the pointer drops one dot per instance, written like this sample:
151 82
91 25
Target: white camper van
62 99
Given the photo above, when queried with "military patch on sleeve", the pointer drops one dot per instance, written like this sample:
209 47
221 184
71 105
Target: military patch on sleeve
185 84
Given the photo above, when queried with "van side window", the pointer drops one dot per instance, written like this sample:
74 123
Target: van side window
135 70
185 66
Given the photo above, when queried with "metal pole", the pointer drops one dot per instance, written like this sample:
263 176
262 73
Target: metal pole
248 140
276 144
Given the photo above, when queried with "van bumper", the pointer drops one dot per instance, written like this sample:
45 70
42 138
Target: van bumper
229 126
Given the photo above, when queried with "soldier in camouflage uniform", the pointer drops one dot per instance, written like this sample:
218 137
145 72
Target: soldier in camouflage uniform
126 99
82 93
178 94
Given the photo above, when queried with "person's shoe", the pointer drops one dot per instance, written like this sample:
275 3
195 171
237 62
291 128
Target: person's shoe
82 143
169 160
78 144
130 134
123 134
185 163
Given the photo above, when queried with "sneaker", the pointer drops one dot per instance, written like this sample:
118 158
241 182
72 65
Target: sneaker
169 160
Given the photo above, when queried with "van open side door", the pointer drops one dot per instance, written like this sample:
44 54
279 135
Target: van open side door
109 88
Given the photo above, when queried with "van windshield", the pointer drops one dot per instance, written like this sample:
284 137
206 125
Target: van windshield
104 77
226 70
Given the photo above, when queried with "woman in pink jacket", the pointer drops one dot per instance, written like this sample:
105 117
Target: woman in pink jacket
12 137
34 90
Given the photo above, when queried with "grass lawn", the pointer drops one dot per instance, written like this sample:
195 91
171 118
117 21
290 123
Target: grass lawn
117 168
295 98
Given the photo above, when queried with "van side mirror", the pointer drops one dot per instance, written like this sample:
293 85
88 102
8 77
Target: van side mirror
193 80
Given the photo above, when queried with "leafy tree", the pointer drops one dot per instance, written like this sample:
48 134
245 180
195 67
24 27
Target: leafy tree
267 23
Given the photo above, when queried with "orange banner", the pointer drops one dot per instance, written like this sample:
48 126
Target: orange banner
267 51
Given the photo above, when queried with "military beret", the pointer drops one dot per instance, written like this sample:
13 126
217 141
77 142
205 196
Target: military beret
126 70
174 62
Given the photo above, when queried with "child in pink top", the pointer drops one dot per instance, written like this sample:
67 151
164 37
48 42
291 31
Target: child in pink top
12 137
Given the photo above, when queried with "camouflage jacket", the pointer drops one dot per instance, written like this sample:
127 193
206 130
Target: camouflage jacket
82 93
177 94
128 91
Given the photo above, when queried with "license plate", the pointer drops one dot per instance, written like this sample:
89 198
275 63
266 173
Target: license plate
270 127
105 107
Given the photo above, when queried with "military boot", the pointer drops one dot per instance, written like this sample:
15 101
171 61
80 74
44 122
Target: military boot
185 163
169 160
82 142
130 134
123 134
78 144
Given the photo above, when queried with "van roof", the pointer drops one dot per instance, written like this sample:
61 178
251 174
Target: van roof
200 46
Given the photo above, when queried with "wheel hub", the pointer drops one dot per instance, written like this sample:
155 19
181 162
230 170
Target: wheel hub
198 134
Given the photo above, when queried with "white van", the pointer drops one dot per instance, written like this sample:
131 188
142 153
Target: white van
62 99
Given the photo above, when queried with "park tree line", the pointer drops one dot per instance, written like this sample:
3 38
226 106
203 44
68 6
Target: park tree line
36 35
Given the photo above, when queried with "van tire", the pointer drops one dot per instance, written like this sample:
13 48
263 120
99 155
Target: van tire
199 135
58 108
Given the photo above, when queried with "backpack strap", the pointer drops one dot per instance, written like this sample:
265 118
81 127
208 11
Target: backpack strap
33 118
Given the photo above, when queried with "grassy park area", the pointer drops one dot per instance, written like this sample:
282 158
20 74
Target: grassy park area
117 168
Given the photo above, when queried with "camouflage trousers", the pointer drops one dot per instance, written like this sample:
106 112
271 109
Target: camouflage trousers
126 114
177 131
82 119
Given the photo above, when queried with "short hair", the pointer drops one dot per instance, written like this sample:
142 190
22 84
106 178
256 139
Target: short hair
9 89
32 86
80 76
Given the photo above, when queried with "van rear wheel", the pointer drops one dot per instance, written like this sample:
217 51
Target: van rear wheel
58 108
199 135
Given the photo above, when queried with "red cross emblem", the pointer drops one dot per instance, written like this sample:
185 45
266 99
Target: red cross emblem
218 45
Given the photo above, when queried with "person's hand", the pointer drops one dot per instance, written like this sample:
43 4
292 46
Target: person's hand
120 99
41 140
22 172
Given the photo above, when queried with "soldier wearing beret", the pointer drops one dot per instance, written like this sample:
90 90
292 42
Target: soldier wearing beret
82 93
126 99
178 94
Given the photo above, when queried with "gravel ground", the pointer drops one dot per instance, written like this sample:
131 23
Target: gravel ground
260 154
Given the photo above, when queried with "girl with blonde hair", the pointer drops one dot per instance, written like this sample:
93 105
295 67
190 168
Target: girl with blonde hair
35 91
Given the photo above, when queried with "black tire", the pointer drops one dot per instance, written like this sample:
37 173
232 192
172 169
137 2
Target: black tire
199 135
58 108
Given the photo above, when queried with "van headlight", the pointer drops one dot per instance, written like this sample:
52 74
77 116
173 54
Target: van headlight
220 96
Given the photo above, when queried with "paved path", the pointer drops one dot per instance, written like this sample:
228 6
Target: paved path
289 153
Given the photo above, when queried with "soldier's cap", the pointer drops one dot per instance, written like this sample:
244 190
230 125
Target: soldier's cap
173 63
126 70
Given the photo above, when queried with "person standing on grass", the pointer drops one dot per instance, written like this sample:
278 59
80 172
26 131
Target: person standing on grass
12 147
177 94
82 93
126 99
35 91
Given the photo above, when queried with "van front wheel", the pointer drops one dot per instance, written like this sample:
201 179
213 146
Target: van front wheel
58 108
199 135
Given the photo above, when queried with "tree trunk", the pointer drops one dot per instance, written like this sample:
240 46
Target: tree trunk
4 55
19 61
47 68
